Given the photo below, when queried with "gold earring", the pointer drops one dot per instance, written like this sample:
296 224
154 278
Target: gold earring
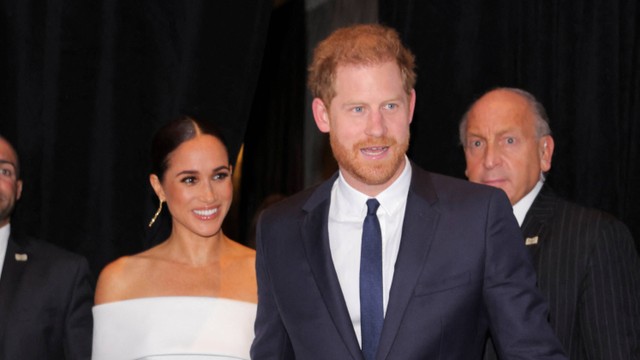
156 214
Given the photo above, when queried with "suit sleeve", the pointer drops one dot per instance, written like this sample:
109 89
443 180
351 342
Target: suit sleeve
78 327
609 309
518 314
271 338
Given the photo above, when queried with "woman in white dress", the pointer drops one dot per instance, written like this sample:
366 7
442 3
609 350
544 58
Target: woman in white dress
194 294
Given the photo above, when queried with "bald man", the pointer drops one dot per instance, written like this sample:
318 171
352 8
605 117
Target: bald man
46 293
585 260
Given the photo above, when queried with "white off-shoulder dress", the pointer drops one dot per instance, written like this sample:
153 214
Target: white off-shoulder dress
172 328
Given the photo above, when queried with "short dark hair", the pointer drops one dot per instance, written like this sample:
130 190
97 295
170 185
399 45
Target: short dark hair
17 164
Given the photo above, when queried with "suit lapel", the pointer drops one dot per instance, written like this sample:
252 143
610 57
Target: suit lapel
12 271
420 221
534 226
315 236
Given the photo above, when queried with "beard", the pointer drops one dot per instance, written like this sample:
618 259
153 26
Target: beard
6 208
370 172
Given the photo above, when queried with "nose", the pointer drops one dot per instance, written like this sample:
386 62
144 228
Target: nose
208 194
492 157
375 124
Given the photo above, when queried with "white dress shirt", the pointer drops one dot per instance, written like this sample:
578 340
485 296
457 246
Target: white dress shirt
4 241
346 215
521 208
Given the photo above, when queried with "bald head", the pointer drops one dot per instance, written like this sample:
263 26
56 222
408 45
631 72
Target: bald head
507 142
537 109
8 153
10 183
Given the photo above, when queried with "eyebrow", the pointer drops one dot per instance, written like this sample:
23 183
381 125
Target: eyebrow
191 172
508 131
8 162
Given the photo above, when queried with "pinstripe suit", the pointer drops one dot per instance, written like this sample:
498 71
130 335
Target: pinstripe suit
589 271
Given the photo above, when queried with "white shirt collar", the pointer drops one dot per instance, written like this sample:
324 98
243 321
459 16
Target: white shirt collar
390 199
346 214
521 208
4 241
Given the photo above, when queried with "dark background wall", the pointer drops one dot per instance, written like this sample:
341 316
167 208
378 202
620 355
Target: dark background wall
580 58
85 85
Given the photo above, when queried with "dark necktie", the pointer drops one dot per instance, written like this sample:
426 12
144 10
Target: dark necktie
371 312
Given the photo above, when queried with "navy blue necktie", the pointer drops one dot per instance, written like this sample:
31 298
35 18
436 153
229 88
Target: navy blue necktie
371 311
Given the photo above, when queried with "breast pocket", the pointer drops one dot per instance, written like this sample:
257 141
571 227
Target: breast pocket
445 284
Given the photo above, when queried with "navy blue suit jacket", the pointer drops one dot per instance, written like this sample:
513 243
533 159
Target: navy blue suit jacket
461 269
46 295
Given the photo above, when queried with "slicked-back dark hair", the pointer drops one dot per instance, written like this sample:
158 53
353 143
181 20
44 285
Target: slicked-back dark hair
172 135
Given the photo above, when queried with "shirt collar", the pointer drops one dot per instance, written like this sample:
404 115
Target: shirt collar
521 208
4 241
391 199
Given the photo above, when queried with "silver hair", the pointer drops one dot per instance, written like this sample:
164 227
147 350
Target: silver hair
539 112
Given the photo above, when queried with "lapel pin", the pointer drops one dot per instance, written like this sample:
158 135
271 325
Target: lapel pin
531 240
21 257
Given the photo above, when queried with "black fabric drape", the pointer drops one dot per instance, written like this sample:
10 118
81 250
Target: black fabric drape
580 58
273 152
86 84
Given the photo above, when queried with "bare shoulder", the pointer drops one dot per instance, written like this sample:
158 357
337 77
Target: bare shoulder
243 276
119 277
244 256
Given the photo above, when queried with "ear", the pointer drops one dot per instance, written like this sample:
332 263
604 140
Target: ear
546 146
412 104
157 186
18 189
321 115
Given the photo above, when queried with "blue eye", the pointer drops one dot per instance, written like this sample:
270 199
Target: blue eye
511 140
358 109
391 106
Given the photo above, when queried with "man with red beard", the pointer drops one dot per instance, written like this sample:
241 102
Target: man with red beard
385 260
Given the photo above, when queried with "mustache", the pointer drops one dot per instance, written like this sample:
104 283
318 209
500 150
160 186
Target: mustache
383 141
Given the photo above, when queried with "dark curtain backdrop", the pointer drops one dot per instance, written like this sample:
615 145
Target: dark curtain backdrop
85 85
580 58
273 149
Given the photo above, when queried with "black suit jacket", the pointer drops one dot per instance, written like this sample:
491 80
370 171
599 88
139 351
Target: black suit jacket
46 295
461 269
589 271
